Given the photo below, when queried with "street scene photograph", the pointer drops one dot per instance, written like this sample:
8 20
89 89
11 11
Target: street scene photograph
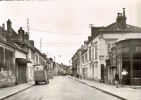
70 50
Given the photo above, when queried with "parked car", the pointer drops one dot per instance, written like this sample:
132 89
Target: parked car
40 76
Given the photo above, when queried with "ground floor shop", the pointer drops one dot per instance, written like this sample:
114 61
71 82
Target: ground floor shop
128 57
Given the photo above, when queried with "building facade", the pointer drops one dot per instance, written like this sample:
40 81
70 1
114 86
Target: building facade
127 55
18 56
96 50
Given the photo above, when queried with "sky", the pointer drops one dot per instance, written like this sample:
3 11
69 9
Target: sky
63 25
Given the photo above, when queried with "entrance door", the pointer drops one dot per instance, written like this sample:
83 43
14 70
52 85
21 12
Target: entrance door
137 68
92 71
126 66
102 72
21 73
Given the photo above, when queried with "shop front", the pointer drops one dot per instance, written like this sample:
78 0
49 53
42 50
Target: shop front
128 57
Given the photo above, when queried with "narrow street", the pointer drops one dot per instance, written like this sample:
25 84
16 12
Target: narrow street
62 88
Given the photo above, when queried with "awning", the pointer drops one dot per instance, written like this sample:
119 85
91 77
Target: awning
22 60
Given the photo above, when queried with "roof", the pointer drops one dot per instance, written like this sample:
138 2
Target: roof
113 28
7 40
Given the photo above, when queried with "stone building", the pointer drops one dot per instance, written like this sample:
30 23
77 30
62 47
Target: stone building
95 52
76 61
18 56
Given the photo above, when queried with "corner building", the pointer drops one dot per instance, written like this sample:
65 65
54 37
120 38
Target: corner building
96 50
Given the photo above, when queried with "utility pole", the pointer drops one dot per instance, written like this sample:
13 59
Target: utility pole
54 58
28 27
40 44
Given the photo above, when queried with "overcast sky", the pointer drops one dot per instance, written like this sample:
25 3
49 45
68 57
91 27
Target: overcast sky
63 25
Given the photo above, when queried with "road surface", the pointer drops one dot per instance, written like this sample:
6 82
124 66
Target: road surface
62 88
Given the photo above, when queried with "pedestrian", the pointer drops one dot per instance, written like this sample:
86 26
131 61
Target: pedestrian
117 79
124 76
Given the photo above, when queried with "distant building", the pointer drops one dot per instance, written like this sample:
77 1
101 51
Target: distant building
76 61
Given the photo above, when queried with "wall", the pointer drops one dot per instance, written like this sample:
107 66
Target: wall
7 76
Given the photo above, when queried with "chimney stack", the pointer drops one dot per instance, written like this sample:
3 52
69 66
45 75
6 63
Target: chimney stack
21 33
31 42
3 32
3 26
9 27
26 36
121 20
123 11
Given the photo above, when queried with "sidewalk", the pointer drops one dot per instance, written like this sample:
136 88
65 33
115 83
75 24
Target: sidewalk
124 93
9 91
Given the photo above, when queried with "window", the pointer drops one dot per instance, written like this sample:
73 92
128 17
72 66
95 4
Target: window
9 59
86 57
90 53
32 55
1 57
82 58
36 59
109 46
96 52
137 65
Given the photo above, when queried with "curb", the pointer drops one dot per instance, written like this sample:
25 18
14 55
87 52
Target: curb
99 89
16 92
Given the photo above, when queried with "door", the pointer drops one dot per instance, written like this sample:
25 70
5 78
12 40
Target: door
102 72
22 73
137 69
92 71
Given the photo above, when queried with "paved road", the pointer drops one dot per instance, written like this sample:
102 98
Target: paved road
62 88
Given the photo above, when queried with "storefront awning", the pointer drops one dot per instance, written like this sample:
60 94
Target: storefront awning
22 60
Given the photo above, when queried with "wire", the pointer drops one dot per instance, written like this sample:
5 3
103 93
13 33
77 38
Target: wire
51 31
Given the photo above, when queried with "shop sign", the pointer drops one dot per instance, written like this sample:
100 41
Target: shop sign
125 49
138 49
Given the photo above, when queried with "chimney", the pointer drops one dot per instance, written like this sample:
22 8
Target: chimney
91 26
21 33
85 42
26 36
3 26
3 32
89 38
123 11
31 42
9 27
121 20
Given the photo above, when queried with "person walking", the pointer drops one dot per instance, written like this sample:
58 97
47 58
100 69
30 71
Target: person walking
117 79
124 76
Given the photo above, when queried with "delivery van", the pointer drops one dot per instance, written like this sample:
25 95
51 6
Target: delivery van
40 76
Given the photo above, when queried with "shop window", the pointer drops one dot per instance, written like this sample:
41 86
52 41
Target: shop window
1 57
125 56
137 65
9 59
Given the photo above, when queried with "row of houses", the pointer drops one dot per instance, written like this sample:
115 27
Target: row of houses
19 57
110 49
